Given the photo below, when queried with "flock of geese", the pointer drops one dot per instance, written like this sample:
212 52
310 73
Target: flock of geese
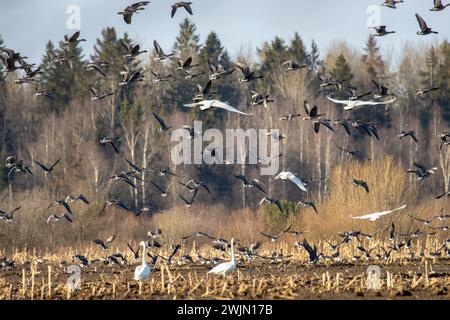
204 100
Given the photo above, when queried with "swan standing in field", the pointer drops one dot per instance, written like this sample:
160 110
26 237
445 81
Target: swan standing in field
143 271
377 215
293 178
226 268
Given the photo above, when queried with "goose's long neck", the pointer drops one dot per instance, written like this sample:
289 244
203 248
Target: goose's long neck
144 254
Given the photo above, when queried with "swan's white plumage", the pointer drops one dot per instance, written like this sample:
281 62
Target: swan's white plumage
226 268
209 104
377 215
290 176
354 104
143 271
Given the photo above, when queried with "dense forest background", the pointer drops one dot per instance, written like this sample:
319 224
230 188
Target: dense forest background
70 127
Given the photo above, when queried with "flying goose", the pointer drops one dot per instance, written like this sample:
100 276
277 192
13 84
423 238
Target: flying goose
163 126
290 176
312 113
46 169
226 268
185 65
99 96
410 133
149 210
247 73
426 222
325 82
267 200
444 137
105 244
130 76
292 66
189 203
197 184
391 3
132 50
368 127
203 92
361 183
189 75
116 203
217 71
11 59
421 171
164 172
312 251
258 99
80 197
97 66
215 104
48 93
8 216
428 90
164 192
289 116
377 215
445 194
143 271
134 251
160 53
380 31
424 29
124 178
110 141
63 203
345 124
307 204
276 237
57 218
356 104
157 78
183 4
438 6
130 10
73 40
253 183
324 122
198 235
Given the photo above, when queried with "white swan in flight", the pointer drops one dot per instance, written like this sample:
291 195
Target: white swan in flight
377 215
143 271
355 104
209 104
226 268
293 178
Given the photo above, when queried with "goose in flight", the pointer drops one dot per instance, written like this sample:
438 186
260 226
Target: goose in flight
164 192
124 178
271 201
215 104
46 169
226 268
445 194
157 78
186 65
116 203
355 95
253 183
203 92
81 197
96 96
62 203
420 93
189 203
444 138
135 252
98 66
307 204
48 93
130 76
324 122
130 10
110 141
391 3
183 4
380 31
149 209
356 104
258 99
377 215
424 29
160 52
290 176
57 218
368 127
164 172
248 75
438 6
289 116
312 113
276 237
73 40
426 222
292 66
143 271
105 244
421 171
217 72
361 183
325 82
312 252
132 50
163 127
198 235
410 133
345 124
8 216
197 185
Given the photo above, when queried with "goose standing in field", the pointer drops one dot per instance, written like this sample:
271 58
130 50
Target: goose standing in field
183 4
377 215
96 96
420 93
149 210
110 141
189 75
160 52
128 12
361 183
424 29
421 171
143 271
438 6
290 176
73 40
380 31
292 66
226 268
163 126
410 133
8 216
247 73
271 201
215 104
391 3
356 104
46 169
105 244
